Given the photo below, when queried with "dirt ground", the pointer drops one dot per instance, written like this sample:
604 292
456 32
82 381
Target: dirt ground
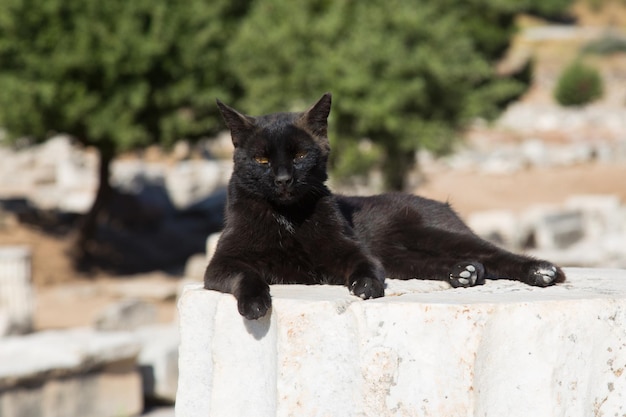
478 192
67 298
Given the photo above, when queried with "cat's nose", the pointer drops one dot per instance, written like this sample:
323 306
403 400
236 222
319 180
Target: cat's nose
283 179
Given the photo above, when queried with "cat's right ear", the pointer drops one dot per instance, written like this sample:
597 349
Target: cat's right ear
239 124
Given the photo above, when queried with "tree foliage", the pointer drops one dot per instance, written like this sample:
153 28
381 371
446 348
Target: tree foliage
126 73
578 84
114 74
123 74
405 74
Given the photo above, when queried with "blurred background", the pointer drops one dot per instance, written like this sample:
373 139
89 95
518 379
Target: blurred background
114 161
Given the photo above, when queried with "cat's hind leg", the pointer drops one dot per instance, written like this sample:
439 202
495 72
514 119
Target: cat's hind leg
404 264
463 259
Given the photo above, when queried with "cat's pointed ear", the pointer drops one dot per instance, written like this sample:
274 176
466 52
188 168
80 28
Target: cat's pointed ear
238 123
316 117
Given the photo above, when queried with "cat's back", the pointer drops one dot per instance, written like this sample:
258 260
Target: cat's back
393 210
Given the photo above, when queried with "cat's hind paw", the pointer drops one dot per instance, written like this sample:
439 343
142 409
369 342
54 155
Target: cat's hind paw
367 288
467 274
543 274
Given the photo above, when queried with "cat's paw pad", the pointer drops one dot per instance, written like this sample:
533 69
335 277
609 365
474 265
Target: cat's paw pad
467 274
543 274
254 306
367 288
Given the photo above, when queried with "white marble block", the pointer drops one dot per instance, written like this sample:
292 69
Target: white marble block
502 349
17 300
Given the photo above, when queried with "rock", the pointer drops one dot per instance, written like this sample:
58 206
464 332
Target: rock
158 288
211 246
195 266
499 226
160 412
560 230
189 181
553 227
158 361
70 373
603 214
502 349
128 314
535 152
17 299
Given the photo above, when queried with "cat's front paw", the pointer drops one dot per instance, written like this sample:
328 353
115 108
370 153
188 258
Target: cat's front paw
254 302
543 274
366 288
467 274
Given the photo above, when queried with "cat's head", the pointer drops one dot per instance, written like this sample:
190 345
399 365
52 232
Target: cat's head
281 157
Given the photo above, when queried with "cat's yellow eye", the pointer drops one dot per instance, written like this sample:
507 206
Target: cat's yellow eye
261 160
299 156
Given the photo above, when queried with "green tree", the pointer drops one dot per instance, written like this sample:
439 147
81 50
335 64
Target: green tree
405 74
114 74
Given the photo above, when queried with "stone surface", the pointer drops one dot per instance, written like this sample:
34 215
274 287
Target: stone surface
196 265
502 349
127 314
70 373
17 299
158 361
211 246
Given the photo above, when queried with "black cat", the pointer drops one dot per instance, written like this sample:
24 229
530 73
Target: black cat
283 225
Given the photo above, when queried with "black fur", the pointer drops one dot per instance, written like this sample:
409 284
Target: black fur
283 225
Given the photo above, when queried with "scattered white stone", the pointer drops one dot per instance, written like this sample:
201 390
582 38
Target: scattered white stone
158 361
62 352
501 226
17 298
211 245
195 266
128 314
70 373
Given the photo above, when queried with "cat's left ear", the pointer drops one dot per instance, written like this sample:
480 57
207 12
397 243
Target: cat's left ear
316 117
238 123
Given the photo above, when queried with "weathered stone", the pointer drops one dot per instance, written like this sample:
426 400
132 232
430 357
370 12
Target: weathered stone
154 287
158 361
195 266
160 412
126 315
502 349
211 245
189 181
553 227
73 373
502 227
17 302
603 214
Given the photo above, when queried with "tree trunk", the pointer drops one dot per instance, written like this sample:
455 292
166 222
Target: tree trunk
397 165
85 244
